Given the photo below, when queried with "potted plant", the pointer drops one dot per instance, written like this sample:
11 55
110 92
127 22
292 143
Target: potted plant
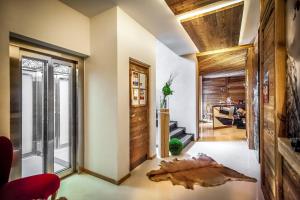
175 146
167 91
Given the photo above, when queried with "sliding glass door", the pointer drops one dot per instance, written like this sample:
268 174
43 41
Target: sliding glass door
33 82
63 115
44 88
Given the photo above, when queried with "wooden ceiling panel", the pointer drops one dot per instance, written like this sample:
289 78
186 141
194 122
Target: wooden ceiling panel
222 62
217 30
181 6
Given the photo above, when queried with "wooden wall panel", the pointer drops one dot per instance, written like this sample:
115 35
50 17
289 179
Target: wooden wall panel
252 98
291 182
215 90
272 111
268 67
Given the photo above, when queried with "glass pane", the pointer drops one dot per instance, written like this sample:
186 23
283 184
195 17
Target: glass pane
32 116
62 108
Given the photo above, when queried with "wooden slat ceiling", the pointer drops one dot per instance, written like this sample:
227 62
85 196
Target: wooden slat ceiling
222 62
181 6
212 33
216 31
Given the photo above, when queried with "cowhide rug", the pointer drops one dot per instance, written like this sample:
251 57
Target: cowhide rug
202 170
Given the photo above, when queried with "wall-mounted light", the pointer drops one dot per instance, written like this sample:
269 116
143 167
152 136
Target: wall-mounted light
207 9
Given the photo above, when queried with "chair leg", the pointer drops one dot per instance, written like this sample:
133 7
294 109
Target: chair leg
53 197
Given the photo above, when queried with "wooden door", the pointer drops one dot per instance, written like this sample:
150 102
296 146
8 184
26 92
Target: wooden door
139 112
267 55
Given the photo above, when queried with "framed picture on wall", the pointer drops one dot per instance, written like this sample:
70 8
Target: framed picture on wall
135 79
135 97
266 88
143 97
143 81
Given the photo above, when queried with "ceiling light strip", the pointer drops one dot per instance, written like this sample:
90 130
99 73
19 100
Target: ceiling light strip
208 11
236 48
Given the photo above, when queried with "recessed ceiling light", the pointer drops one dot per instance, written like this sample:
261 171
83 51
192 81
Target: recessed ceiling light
207 9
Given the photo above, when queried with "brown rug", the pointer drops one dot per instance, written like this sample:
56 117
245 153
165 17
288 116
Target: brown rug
202 170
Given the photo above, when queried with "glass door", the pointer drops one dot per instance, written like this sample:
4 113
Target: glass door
34 69
48 115
64 102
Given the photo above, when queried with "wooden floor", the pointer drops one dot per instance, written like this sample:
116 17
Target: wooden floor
224 134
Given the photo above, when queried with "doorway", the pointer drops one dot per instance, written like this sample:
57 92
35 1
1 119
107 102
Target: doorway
44 96
139 112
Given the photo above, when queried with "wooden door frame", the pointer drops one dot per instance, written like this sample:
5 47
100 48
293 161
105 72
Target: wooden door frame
148 103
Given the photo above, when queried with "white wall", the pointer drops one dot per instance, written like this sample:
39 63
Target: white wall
100 154
135 42
182 103
115 37
48 21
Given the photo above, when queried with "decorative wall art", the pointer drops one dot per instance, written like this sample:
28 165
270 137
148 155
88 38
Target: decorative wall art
135 97
138 89
293 68
266 87
135 79
142 97
143 81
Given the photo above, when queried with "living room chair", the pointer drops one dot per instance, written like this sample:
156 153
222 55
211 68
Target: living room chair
33 187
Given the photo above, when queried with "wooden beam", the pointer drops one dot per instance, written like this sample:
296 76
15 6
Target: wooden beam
211 12
236 48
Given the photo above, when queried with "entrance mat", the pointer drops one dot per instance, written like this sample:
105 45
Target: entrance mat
202 170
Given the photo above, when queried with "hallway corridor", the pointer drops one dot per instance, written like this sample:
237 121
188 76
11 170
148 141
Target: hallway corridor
233 154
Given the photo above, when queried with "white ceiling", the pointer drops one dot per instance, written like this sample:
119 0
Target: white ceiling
250 22
90 8
158 19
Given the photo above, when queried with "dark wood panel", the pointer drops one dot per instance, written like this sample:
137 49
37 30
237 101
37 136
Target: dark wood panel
217 30
215 90
182 6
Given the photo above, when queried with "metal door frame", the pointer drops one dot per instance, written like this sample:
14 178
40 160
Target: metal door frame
16 50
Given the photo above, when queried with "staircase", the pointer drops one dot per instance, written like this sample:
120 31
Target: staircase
179 133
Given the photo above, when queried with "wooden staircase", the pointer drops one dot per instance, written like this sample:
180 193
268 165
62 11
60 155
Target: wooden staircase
180 133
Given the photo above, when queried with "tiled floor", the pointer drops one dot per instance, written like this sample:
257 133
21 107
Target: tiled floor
233 154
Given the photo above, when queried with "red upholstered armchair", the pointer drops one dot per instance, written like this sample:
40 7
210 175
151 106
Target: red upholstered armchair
33 187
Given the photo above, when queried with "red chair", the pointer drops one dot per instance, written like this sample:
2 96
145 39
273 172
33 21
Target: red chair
34 187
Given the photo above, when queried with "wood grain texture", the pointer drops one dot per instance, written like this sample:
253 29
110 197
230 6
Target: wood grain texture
218 89
164 132
182 6
267 56
217 30
290 182
250 97
139 121
272 64
222 62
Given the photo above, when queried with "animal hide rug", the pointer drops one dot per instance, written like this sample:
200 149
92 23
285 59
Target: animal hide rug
202 170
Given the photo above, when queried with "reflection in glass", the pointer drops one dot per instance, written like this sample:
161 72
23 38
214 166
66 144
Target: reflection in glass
62 121
32 116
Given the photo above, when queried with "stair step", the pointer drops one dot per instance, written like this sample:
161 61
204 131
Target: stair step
177 132
186 139
172 125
